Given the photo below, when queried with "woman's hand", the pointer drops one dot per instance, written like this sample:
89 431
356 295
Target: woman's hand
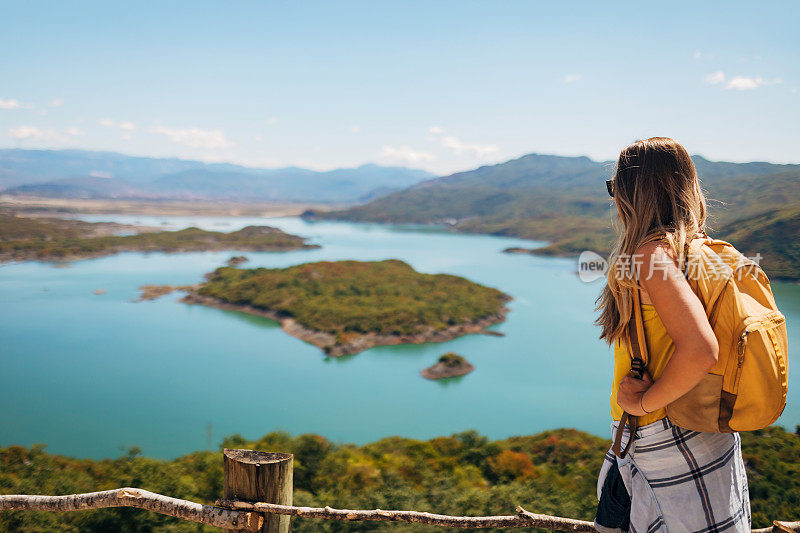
630 393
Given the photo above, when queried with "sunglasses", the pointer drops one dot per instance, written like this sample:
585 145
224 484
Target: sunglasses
610 187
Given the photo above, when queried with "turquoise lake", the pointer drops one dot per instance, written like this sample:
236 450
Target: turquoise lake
92 374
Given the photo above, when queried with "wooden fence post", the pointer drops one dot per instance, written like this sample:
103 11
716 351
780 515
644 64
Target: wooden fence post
260 477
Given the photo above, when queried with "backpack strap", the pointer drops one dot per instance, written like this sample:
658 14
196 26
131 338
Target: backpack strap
637 349
636 336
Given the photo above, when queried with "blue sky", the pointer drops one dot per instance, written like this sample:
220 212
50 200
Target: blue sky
441 85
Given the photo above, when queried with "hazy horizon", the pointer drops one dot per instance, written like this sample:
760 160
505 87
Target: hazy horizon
359 165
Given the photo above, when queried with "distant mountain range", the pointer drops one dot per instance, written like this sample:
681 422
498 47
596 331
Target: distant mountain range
564 200
87 174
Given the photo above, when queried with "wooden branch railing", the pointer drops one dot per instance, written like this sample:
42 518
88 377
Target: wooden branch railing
142 499
523 518
258 495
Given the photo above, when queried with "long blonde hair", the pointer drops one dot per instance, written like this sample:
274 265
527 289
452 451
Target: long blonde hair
658 198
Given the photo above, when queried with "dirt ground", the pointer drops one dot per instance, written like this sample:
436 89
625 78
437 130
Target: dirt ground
31 206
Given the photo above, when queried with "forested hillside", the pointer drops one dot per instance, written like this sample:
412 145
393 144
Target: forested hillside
775 235
464 474
563 200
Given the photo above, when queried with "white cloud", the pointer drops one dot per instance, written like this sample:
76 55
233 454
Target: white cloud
101 174
460 148
572 78
127 137
258 138
11 103
75 132
195 137
716 77
56 102
697 54
272 120
107 122
404 155
744 83
355 129
739 83
32 132
127 126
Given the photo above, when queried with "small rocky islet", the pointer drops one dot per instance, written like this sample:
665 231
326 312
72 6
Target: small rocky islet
449 365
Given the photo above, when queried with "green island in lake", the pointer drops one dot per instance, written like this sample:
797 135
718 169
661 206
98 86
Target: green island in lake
345 307
62 240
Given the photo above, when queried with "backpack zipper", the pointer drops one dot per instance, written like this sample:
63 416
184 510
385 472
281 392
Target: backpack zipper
740 360
742 341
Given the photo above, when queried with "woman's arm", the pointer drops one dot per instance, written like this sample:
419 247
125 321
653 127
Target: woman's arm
685 320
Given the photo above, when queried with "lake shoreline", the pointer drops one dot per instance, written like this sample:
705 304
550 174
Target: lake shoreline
327 341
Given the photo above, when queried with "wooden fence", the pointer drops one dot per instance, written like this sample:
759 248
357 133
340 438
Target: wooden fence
257 496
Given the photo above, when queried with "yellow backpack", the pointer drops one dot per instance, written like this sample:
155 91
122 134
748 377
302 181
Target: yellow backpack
746 389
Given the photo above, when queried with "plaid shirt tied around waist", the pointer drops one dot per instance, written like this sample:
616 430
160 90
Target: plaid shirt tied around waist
681 481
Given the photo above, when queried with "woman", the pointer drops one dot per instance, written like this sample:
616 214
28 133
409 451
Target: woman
675 479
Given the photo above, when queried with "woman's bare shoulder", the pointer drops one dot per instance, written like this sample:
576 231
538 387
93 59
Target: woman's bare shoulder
654 258
655 250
